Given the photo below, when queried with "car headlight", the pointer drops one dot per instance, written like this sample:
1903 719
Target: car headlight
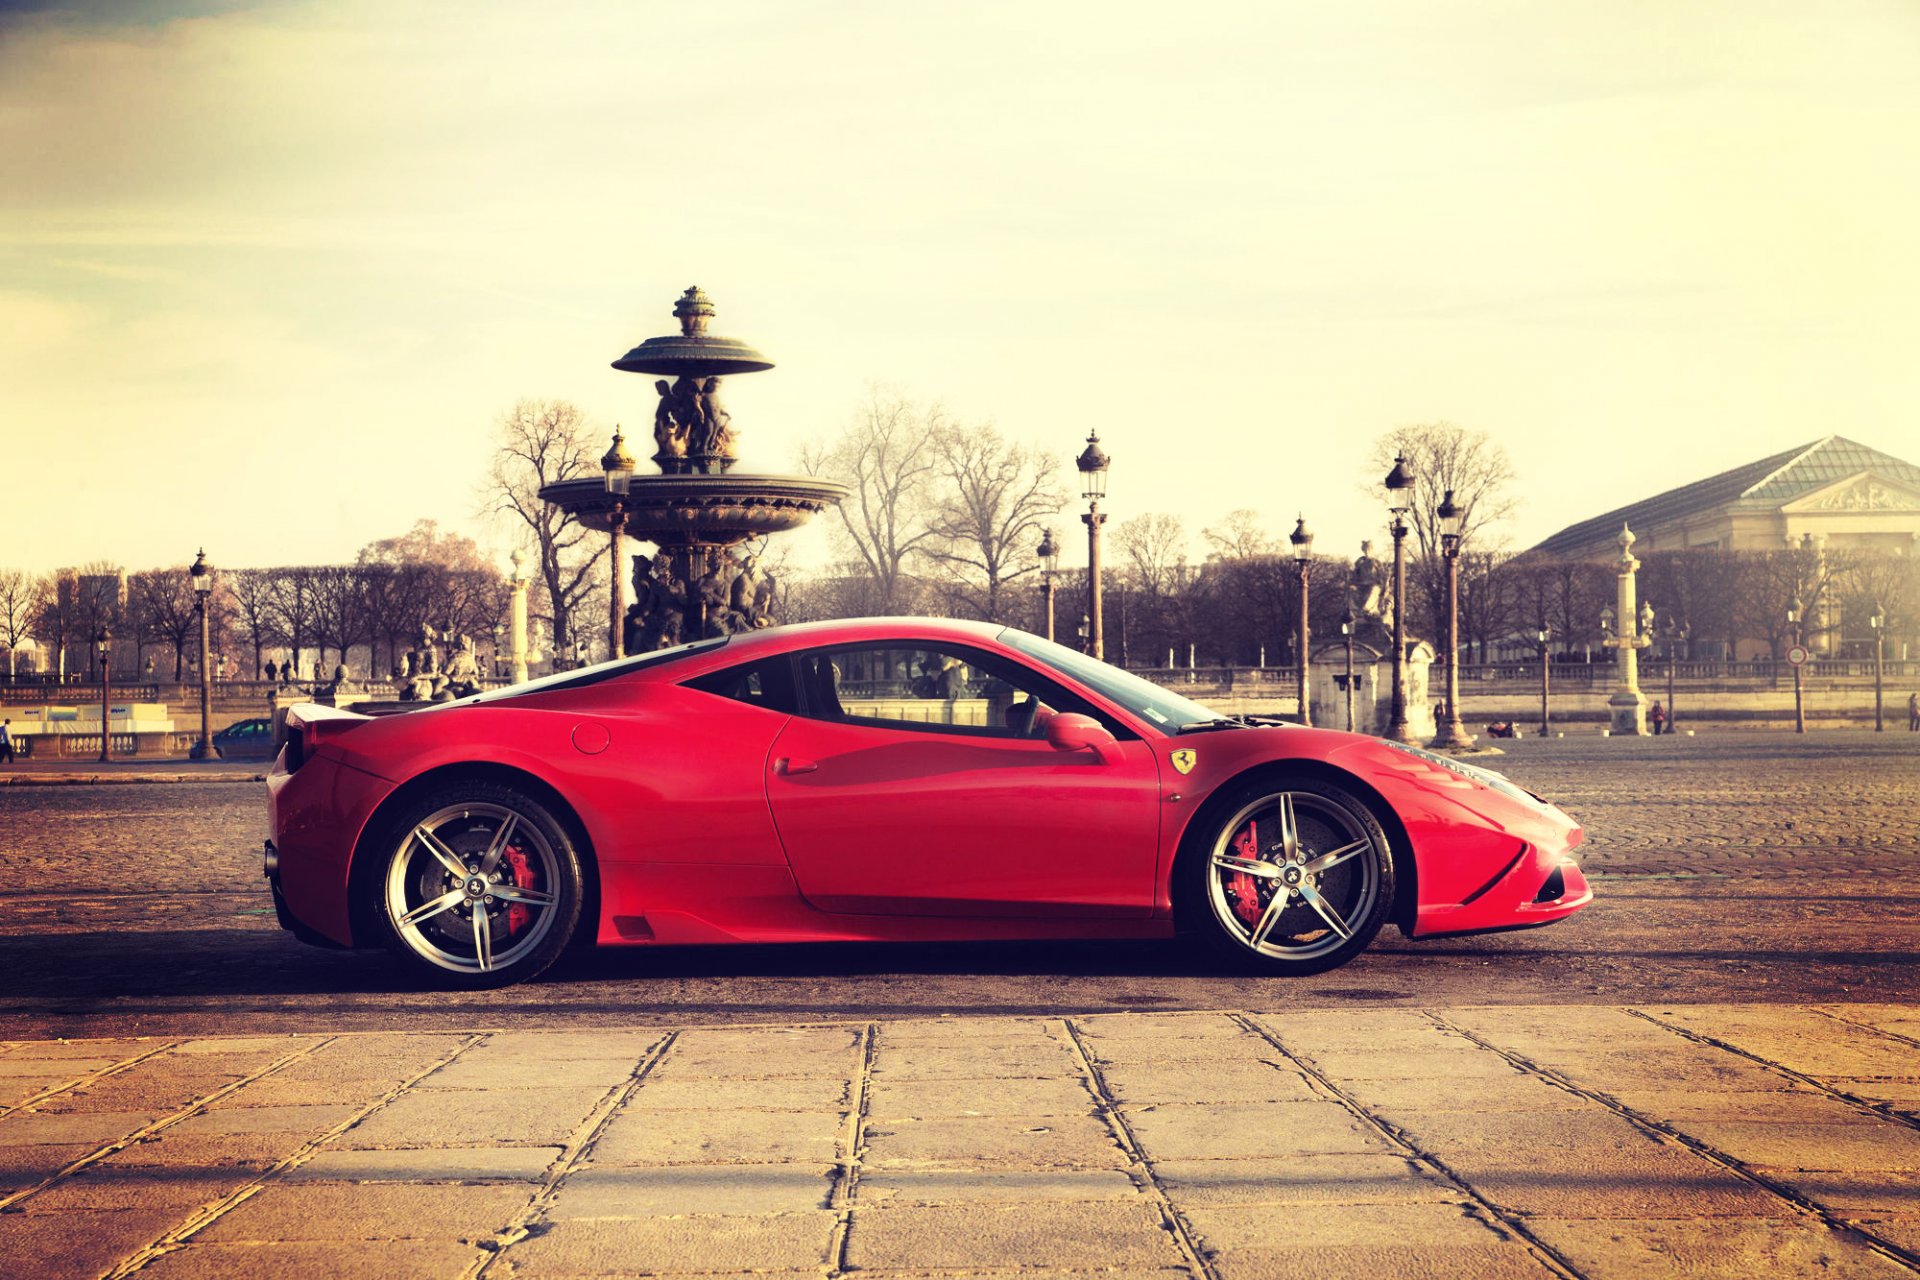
1487 777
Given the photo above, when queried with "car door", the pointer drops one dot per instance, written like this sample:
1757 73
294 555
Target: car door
917 780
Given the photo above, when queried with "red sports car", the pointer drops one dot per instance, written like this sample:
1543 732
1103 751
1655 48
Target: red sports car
887 779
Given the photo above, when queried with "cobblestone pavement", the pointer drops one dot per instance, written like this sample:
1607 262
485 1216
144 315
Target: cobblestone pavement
1591 1141
1728 867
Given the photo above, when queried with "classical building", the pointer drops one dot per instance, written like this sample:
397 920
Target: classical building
1839 491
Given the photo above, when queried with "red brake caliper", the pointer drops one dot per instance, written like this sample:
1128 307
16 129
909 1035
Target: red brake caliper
1246 897
520 876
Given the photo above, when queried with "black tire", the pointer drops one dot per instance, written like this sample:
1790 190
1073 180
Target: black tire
526 889
1337 874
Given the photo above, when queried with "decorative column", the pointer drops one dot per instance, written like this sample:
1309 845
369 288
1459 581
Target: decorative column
1093 463
1627 707
517 617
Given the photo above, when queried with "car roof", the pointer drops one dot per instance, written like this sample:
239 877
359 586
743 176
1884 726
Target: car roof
802 635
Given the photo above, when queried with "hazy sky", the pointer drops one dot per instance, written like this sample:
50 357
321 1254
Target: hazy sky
269 274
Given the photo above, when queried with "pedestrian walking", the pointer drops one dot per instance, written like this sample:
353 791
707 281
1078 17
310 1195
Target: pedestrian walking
6 741
1913 713
1659 718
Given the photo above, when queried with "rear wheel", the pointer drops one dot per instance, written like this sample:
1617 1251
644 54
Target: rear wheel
479 886
1295 876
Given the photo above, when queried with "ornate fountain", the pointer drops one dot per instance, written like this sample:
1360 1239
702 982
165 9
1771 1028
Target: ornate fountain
698 509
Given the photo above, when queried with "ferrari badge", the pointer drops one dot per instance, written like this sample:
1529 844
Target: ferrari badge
1184 759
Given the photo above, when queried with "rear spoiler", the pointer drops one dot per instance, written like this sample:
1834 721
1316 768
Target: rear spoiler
303 727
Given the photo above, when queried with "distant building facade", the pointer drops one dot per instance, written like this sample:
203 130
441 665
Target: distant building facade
1840 492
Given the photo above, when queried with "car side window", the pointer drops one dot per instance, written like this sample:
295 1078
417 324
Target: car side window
931 688
768 683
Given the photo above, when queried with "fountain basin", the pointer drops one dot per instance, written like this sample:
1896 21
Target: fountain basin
700 510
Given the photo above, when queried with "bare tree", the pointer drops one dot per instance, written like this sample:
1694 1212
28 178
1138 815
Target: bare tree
53 623
887 456
1877 579
1563 596
163 606
543 442
97 600
1155 548
1241 536
340 615
253 610
18 601
1446 457
427 578
1489 600
996 495
293 608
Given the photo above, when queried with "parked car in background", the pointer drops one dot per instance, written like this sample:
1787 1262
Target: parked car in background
245 740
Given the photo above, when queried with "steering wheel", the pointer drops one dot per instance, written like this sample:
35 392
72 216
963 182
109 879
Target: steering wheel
1021 716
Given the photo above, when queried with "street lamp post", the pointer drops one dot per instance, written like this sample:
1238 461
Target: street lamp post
1346 685
104 644
1542 636
1795 612
1049 553
1452 735
1677 632
1093 463
1399 485
1302 540
201 575
1878 621
618 468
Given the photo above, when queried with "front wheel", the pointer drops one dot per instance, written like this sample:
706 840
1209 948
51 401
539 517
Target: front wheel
1296 876
480 886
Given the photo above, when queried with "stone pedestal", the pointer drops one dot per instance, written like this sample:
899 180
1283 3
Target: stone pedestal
1326 687
1627 713
1372 686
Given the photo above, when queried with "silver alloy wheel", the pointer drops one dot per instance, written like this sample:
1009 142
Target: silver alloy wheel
451 899
1313 870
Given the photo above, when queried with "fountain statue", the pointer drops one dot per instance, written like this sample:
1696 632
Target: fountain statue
698 509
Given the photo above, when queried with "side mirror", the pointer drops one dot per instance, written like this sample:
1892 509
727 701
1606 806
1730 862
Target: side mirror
1071 731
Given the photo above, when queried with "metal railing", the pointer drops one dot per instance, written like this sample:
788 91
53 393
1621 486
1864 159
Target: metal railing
1692 674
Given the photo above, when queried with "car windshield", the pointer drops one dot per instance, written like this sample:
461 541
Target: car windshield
1159 707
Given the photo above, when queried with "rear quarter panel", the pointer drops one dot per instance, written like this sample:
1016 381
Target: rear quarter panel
653 772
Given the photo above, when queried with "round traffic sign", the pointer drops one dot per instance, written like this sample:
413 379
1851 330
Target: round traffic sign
1797 655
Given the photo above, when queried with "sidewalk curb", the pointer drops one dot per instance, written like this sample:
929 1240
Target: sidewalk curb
109 779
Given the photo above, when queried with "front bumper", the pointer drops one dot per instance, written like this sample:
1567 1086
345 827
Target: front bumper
1540 886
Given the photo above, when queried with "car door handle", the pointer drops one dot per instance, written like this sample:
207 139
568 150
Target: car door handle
787 767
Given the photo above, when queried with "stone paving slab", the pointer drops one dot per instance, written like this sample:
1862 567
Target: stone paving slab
1589 1142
